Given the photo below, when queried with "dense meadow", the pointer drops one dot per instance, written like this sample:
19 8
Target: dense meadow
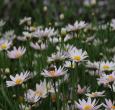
64 63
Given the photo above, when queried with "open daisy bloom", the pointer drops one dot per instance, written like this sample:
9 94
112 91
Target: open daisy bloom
96 94
16 53
18 79
87 105
58 56
109 105
46 33
77 55
40 92
92 65
77 26
5 44
106 79
107 66
69 64
38 46
41 89
54 72
30 96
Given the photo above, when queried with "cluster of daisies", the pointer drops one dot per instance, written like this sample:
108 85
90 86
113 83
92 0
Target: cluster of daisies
67 70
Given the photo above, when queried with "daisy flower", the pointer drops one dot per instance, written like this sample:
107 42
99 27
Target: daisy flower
54 72
21 38
38 46
54 40
109 105
18 79
16 53
27 34
66 48
77 26
58 56
77 55
69 64
25 20
92 65
46 33
5 44
41 90
96 94
30 96
105 79
87 105
107 66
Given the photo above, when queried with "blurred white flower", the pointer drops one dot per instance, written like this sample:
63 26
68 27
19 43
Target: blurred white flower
25 20
58 56
69 64
82 90
109 105
27 34
77 26
38 46
46 33
30 96
106 79
96 94
2 23
112 24
54 72
92 65
16 53
89 2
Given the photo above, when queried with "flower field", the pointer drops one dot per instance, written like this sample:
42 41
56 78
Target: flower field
66 65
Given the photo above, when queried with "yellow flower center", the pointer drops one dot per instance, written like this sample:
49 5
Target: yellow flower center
19 81
78 58
4 46
18 54
38 93
94 94
113 107
110 77
106 67
53 73
87 107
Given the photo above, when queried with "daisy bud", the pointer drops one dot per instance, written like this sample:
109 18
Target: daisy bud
61 16
63 31
45 8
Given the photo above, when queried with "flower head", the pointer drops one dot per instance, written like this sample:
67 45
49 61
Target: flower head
38 46
16 52
87 105
106 79
96 94
54 72
18 79
77 55
5 44
107 66
109 105
77 26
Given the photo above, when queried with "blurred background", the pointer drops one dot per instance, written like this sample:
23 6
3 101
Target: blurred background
47 12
